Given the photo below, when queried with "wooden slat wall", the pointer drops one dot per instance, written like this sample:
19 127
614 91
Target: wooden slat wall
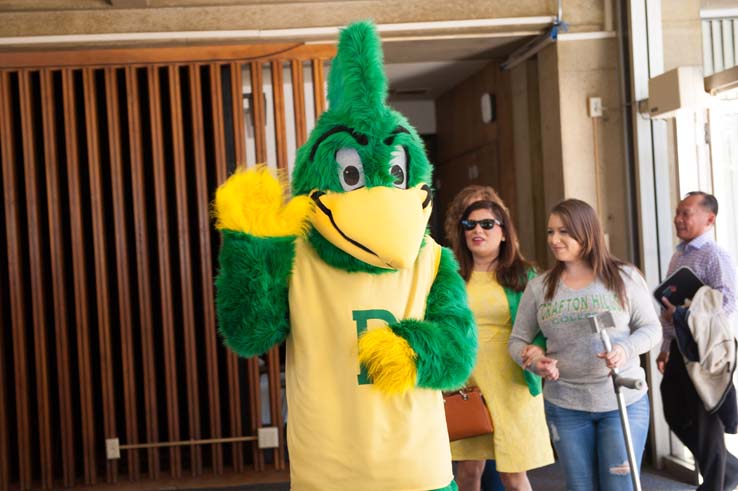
298 98
273 365
236 84
15 277
185 269
4 312
57 253
80 288
318 83
4 448
125 315
221 172
97 205
254 406
279 123
239 144
206 271
257 88
108 172
37 284
161 202
141 246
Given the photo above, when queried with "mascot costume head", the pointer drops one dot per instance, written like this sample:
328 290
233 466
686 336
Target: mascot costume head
372 310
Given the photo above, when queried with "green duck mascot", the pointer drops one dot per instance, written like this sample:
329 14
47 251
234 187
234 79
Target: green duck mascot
372 310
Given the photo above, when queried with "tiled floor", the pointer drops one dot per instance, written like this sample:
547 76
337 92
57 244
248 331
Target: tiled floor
548 478
551 478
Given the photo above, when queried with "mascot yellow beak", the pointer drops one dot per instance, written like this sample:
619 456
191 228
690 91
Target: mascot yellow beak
381 226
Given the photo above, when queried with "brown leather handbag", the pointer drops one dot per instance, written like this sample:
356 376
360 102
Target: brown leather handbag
466 414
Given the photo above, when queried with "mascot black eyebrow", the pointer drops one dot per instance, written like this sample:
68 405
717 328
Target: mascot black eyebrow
372 310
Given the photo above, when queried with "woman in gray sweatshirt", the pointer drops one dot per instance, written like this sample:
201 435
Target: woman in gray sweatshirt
580 404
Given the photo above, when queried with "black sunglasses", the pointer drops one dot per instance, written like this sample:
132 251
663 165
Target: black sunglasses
486 224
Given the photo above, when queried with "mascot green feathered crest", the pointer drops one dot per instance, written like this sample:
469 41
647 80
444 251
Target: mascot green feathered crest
364 166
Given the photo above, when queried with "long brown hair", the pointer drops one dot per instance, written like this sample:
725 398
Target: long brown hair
511 268
582 224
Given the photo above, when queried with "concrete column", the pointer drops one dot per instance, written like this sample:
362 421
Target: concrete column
583 157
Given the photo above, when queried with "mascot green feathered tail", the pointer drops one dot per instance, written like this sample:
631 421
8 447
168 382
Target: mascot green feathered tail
373 311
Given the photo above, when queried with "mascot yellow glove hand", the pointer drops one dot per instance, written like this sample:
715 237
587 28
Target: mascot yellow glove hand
253 201
389 359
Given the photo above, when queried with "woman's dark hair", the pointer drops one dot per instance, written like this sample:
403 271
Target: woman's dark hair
582 224
465 197
511 268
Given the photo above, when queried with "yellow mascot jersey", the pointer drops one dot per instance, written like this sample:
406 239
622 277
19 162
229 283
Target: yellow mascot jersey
342 433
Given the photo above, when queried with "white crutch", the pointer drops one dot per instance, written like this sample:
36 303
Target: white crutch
600 323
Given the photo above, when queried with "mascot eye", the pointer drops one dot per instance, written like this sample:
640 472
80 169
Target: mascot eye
398 167
351 170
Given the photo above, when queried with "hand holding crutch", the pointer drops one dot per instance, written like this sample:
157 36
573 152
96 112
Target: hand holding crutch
614 358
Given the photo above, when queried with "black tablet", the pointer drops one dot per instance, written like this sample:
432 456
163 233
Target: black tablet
682 284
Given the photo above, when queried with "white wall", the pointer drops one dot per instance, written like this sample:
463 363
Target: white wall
421 114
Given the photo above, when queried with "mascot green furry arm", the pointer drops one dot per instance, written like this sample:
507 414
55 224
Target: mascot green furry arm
373 311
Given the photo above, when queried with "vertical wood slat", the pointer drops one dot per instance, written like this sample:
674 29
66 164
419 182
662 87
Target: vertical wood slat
87 415
185 268
101 269
239 137
4 447
16 277
125 313
280 131
216 102
165 276
318 88
206 273
273 375
275 403
252 365
56 248
298 101
4 321
216 87
259 111
33 223
260 150
140 214
5 145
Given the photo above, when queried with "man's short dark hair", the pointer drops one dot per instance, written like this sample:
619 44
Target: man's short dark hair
708 202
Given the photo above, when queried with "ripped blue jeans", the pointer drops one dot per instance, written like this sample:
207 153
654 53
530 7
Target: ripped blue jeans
591 445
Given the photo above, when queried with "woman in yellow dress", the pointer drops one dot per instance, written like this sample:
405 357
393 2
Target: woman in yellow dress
485 243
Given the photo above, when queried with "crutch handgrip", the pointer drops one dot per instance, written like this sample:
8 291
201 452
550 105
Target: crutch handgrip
629 383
